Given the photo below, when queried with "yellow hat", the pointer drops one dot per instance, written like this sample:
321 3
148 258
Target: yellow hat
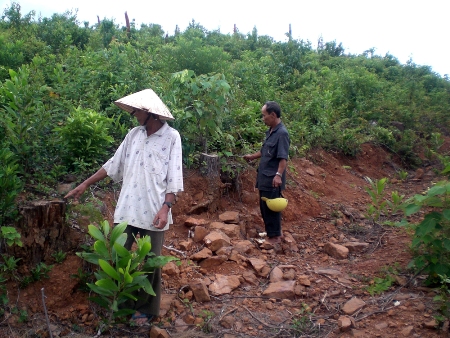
276 204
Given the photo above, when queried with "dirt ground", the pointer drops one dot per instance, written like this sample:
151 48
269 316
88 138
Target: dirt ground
327 203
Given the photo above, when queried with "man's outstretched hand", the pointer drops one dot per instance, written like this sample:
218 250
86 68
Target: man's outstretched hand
77 192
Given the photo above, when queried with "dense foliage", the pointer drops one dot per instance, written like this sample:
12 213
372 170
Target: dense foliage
58 79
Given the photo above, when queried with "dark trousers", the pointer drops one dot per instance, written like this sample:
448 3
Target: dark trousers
146 303
272 219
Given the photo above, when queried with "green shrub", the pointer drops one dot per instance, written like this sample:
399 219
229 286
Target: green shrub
10 185
85 138
121 272
431 241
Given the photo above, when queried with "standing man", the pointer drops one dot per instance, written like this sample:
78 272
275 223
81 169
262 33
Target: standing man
149 164
271 177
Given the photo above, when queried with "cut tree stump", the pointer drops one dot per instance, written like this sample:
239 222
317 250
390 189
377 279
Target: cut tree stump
43 232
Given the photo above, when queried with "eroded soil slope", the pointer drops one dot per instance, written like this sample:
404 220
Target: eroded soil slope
305 287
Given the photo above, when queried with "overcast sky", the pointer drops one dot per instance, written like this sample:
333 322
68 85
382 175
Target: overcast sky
406 29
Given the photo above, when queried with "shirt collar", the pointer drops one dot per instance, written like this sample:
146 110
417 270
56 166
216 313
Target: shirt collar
160 131
274 129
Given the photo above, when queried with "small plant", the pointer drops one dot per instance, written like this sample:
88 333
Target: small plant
431 243
41 271
443 299
301 323
83 279
403 175
77 328
377 194
25 281
346 167
294 171
207 317
3 295
59 256
11 236
121 272
9 265
314 194
396 202
23 316
379 285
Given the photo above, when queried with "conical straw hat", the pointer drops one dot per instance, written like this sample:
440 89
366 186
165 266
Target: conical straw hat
145 100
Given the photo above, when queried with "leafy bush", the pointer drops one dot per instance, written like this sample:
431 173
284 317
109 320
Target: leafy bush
10 185
431 241
85 138
121 272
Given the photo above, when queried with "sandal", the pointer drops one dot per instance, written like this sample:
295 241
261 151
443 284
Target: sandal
137 315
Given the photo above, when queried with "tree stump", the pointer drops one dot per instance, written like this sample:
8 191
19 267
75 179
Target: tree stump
211 169
43 232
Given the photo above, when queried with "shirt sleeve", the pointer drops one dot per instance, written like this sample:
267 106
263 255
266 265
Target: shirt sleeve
283 146
115 165
175 170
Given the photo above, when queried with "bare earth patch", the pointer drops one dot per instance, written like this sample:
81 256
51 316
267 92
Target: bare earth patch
314 284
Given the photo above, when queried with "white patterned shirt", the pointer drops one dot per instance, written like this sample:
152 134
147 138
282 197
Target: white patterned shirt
150 167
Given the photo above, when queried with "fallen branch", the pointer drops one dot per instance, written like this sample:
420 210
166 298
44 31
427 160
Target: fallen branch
345 286
175 250
228 312
259 320
46 314
372 313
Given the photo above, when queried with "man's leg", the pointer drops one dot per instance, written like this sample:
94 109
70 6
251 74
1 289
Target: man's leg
272 219
131 232
146 303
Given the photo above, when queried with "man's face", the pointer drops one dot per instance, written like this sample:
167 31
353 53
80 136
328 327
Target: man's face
140 115
268 119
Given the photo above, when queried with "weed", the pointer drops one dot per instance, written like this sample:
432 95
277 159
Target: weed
188 304
430 243
396 202
23 316
77 328
207 316
376 193
25 281
59 256
9 265
301 323
83 279
380 284
314 194
403 175
346 167
443 300
293 170
41 271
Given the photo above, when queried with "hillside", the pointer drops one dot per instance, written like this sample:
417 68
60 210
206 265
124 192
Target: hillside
305 287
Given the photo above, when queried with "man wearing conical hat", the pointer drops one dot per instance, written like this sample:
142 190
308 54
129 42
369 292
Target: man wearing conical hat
149 164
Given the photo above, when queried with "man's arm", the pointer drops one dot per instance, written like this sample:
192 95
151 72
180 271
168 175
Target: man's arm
277 181
251 157
78 191
162 216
